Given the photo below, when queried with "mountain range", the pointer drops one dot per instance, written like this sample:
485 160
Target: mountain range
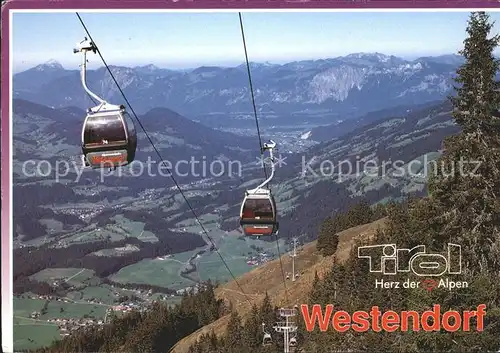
321 91
43 133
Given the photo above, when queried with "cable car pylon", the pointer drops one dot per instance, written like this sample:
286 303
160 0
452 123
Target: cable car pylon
293 256
109 138
288 328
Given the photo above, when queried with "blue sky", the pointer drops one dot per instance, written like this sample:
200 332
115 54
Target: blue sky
182 40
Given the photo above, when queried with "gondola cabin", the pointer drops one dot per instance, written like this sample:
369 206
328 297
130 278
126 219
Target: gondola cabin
258 216
109 138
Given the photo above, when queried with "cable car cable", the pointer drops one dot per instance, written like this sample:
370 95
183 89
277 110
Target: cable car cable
260 140
252 92
162 160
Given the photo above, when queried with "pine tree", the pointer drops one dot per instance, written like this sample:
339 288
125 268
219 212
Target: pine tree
322 237
234 332
328 238
213 342
379 211
253 329
469 196
477 97
267 312
315 294
360 213
208 305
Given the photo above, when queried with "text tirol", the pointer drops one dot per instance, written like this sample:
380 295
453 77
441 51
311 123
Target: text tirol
390 321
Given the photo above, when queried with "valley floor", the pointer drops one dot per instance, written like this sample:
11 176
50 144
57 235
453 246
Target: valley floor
38 320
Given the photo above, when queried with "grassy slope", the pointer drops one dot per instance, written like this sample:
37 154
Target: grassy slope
269 278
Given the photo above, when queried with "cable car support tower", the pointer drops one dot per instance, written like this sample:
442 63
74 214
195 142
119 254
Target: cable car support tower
287 327
294 255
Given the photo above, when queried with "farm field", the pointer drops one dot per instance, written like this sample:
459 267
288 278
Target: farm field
24 307
164 273
235 250
31 334
73 276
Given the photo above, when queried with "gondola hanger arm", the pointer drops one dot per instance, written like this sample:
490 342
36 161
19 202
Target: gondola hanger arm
269 146
83 47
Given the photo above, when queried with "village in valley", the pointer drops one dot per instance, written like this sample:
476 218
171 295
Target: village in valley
80 308
116 301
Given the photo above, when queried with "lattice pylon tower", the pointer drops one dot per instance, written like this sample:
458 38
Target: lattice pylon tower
286 327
